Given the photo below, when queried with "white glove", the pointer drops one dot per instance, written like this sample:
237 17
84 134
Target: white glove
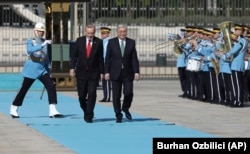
46 42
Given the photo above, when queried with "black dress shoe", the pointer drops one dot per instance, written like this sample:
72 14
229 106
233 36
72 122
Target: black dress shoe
13 116
102 100
88 119
56 116
183 95
236 105
128 115
119 118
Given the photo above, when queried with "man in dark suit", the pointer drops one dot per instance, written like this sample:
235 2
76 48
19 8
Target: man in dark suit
122 67
87 65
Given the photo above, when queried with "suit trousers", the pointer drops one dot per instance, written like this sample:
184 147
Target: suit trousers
238 98
205 87
226 88
183 78
117 85
215 87
27 82
106 85
87 95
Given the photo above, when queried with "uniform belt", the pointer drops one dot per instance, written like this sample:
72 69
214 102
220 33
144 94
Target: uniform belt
36 59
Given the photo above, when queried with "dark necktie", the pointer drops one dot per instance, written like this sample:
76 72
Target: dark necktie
122 47
88 48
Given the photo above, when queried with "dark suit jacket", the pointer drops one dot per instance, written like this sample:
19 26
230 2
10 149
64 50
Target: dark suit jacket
87 68
114 60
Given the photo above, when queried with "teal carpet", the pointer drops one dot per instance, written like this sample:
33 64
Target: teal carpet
104 135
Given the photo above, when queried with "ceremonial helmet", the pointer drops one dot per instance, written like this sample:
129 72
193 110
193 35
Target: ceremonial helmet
40 27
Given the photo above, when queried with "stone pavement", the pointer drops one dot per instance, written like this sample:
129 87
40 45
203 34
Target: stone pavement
17 138
152 98
159 99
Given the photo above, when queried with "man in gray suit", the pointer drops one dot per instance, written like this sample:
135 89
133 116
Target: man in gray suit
122 68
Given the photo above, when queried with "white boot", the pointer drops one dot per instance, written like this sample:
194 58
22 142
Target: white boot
53 113
13 111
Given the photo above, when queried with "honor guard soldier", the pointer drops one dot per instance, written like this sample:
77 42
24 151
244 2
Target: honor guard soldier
205 49
222 93
246 75
193 63
37 66
106 84
237 65
215 66
247 69
181 64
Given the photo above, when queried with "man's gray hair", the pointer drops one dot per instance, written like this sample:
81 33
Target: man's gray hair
121 26
91 25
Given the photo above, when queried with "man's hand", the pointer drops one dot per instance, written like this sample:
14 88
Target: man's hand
46 42
137 76
107 76
101 77
72 73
